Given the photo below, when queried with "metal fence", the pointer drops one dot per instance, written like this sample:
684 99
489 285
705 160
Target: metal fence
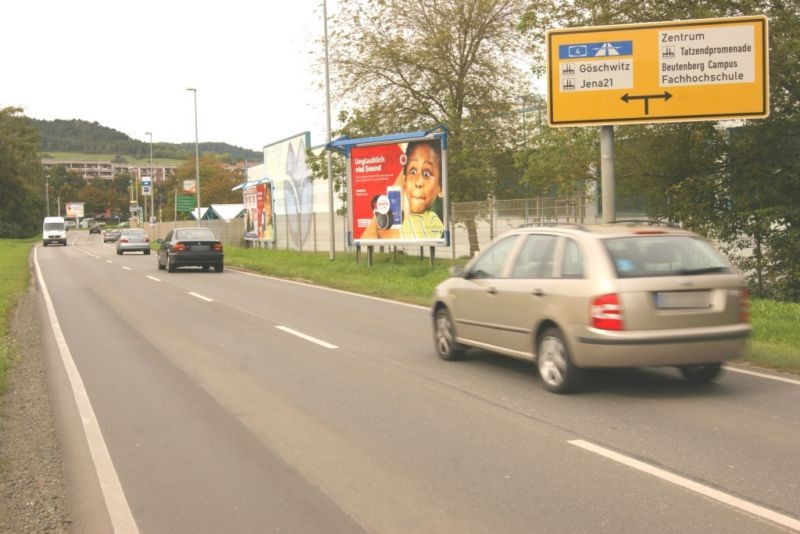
484 220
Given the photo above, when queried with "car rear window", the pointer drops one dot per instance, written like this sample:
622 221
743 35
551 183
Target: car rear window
664 255
199 234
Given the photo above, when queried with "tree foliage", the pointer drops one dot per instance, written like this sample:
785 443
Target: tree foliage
412 65
21 180
93 138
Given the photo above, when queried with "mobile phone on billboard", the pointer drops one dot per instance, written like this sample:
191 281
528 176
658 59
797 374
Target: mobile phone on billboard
395 205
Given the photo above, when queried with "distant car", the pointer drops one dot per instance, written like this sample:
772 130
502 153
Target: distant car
133 240
111 236
190 247
94 229
577 297
69 224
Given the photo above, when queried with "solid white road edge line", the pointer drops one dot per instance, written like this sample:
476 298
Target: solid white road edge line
122 520
696 487
201 297
762 375
306 337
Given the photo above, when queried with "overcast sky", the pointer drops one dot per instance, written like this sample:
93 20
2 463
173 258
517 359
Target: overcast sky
257 67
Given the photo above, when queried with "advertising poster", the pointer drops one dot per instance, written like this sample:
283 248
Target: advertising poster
286 165
259 216
74 209
397 192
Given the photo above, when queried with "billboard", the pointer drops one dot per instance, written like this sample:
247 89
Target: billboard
398 190
74 209
258 212
286 168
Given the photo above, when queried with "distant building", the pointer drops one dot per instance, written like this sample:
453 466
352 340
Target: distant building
106 170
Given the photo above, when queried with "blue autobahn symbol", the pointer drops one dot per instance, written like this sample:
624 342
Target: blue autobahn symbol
576 51
589 50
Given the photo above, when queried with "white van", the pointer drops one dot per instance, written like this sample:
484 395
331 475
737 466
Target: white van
54 230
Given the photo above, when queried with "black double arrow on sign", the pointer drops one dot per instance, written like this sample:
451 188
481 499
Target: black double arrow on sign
627 98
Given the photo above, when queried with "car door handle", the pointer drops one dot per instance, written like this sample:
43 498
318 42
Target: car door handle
537 292
491 290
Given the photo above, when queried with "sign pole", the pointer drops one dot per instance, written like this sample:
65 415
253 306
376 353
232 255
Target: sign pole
607 178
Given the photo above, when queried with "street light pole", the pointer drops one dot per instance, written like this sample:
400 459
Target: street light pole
196 155
152 178
332 235
47 192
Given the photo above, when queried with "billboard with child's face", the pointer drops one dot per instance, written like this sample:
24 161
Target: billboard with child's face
398 193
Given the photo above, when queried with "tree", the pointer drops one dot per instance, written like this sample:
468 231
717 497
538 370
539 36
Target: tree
21 180
415 64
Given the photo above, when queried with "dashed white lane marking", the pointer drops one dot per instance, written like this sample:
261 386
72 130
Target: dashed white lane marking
153 278
691 485
306 337
126 268
119 511
201 297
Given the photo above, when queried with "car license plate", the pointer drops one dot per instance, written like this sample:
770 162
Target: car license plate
199 248
683 299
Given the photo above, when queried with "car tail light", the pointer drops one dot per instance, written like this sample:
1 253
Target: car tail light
178 247
146 239
123 239
606 313
744 306
217 247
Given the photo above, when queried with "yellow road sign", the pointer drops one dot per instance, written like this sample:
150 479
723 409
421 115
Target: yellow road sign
709 69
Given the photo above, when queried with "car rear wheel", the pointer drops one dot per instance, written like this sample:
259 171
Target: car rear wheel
158 261
558 373
218 268
701 374
119 252
444 337
147 252
171 264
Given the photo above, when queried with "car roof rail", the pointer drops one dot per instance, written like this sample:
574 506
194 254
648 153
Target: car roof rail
645 222
554 224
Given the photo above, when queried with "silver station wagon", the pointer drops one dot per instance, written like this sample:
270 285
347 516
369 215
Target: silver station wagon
575 297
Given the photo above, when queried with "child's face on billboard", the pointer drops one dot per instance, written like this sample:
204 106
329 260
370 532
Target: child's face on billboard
423 180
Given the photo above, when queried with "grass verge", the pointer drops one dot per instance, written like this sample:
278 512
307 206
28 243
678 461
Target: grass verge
408 278
14 278
776 338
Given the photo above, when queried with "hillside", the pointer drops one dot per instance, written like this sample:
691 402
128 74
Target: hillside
93 138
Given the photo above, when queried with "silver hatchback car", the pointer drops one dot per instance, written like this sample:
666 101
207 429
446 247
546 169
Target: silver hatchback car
133 240
574 297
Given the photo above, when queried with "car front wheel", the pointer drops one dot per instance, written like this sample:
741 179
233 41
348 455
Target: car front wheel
444 337
701 374
558 373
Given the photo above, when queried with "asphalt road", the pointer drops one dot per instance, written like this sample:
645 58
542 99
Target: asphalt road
239 403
